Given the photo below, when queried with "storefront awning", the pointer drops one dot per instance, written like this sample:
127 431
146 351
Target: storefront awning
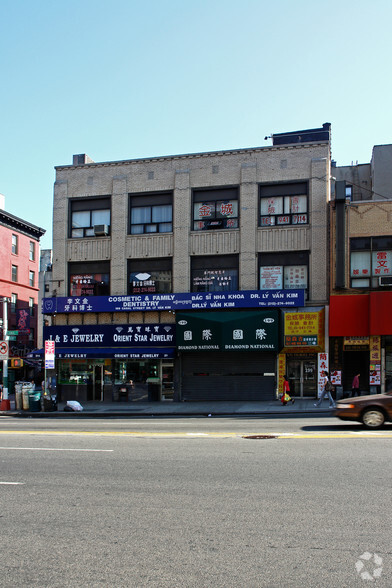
349 316
111 353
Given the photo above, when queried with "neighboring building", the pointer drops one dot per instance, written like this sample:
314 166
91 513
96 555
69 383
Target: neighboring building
19 265
196 276
361 273
45 288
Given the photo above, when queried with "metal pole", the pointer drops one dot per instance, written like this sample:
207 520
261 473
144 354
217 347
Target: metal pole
5 403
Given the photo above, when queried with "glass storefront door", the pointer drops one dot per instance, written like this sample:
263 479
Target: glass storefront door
302 375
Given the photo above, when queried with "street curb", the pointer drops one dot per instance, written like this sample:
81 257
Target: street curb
102 415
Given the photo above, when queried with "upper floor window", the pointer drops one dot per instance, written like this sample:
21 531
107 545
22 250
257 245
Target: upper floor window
89 279
149 276
214 273
283 204
32 251
151 213
284 271
215 209
371 262
31 279
14 300
14 273
90 217
14 242
31 306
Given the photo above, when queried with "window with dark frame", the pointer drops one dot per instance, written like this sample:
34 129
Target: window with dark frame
90 217
31 306
89 279
214 273
284 271
150 276
31 279
14 273
150 213
216 208
371 262
283 204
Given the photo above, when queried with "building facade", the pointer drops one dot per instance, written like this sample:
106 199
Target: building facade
19 268
190 277
360 324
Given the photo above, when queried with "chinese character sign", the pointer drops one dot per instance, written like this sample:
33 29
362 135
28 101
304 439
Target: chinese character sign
323 364
23 320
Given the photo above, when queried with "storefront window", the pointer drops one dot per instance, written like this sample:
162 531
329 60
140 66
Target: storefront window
89 279
149 276
215 208
215 274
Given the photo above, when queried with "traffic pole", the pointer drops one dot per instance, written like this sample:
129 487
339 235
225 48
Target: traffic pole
5 402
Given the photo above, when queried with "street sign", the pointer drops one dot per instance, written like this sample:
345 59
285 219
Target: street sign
49 354
3 350
12 333
11 337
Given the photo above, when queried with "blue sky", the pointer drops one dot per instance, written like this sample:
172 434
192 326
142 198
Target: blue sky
126 79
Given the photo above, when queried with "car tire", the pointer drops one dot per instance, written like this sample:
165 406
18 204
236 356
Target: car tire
373 418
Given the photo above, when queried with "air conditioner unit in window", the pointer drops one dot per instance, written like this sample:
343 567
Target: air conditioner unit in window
101 230
385 281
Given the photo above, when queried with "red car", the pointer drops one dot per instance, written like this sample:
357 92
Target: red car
373 411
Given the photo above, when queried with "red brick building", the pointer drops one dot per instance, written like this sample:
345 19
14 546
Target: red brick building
19 268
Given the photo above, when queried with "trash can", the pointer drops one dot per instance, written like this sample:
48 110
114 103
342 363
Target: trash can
18 396
34 400
154 389
26 388
49 402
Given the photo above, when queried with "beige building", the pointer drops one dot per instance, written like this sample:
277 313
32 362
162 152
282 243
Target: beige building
229 236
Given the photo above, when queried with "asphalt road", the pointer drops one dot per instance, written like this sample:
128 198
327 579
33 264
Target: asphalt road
191 502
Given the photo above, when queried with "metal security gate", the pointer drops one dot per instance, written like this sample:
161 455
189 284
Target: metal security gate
228 376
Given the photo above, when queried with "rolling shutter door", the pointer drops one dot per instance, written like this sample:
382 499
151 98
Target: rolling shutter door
228 376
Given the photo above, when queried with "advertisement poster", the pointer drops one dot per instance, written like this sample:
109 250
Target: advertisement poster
336 378
375 374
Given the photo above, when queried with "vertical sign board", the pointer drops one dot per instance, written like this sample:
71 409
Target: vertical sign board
323 364
49 355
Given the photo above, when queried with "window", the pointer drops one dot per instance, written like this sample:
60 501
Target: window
149 276
14 300
90 217
14 273
31 279
14 246
151 213
371 262
283 204
214 273
215 209
32 251
284 271
89 279
31 306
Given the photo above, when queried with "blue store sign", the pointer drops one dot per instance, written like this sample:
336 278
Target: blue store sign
97 336
174 302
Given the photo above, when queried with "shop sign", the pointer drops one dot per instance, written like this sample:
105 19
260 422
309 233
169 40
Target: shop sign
336 378
144 335
239 331
356 341
375 348
183 301
303 329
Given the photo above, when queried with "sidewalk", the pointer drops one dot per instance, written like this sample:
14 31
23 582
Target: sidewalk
167 409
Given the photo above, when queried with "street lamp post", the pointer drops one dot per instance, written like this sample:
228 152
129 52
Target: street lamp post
5 402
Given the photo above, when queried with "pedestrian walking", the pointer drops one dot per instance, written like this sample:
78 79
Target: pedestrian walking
285 398
355 386
327 389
